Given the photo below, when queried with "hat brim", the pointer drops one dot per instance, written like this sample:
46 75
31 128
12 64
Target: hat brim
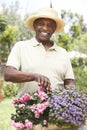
60 23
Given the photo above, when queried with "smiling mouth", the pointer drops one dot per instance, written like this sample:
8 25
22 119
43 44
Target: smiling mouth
45 33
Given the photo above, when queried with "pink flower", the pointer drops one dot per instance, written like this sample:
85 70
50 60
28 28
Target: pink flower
32 108
42 95
41 107
28 124
21 105
46 104
45 122
17 124
37 115
14 101
25 98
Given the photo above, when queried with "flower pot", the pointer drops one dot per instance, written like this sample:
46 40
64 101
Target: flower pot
36 127
39 127
54 127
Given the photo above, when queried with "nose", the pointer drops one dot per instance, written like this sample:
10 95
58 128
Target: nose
45 27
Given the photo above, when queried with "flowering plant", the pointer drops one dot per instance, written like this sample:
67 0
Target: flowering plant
31 110
68 108
62 108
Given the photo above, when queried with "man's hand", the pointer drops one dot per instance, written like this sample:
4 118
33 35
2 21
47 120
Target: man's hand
43 81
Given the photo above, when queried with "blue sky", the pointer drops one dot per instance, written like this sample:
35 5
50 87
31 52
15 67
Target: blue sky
30 6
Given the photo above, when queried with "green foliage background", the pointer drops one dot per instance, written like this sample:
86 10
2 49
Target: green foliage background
13 28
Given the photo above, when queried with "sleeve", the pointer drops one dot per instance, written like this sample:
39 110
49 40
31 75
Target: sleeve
14 57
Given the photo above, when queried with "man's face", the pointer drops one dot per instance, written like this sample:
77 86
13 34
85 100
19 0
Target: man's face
44 29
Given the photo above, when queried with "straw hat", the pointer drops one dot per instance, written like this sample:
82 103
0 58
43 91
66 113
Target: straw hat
46 13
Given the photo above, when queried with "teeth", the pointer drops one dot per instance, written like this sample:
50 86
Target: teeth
43 33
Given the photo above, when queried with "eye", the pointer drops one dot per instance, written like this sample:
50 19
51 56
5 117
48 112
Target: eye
51 25
40 23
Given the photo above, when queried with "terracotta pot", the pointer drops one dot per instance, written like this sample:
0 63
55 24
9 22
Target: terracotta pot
52 127
37 127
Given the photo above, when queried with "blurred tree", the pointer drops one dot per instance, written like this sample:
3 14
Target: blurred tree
81 44
75 26
3 23
13 28
74 22
17 19
7 39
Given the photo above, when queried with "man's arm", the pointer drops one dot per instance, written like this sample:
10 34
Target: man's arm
69 83
16 76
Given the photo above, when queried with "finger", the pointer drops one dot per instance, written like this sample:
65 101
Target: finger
42 80
45 82
39 81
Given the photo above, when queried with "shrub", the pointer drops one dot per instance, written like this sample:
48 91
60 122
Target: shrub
9 89
81 79
80 71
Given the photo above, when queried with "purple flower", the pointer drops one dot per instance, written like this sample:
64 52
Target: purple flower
68 107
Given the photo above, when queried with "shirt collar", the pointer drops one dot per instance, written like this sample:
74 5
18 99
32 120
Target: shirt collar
36 43
54 47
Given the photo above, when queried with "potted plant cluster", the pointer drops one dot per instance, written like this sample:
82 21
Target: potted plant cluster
68 108
31 110
45 109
